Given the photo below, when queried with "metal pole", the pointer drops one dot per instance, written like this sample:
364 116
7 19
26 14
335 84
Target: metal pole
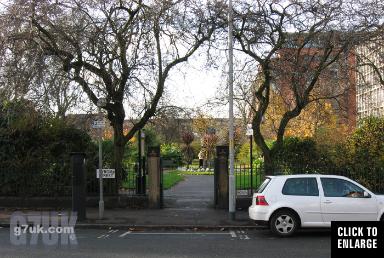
138 176
251 161
142 160
232 186
101 201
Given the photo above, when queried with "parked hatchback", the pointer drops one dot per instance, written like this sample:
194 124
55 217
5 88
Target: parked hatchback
286 203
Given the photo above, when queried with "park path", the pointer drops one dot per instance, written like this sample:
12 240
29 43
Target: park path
193 192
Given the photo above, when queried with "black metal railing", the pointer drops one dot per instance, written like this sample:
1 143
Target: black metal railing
129 183
247 180
54 180
372 178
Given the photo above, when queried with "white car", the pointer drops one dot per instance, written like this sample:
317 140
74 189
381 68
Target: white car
286 203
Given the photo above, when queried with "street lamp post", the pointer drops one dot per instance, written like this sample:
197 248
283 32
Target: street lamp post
232 182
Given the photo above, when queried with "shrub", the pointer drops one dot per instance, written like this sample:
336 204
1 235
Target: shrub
172 152
298 155
35 153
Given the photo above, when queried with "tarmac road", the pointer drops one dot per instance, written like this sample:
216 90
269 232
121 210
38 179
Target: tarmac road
187 243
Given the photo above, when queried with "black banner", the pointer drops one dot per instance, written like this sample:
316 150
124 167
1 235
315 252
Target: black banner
353 238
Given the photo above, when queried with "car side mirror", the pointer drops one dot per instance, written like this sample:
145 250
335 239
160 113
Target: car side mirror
366 195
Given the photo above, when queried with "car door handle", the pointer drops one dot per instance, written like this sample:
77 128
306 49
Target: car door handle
327 201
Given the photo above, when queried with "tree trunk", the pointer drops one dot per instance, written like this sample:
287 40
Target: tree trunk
118 153
260 141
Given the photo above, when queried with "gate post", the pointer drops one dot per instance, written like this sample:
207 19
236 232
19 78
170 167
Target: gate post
221 177
154 176
78 184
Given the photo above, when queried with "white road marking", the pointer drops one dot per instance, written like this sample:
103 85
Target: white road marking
113 231
124 234
176 233
103 236
233 234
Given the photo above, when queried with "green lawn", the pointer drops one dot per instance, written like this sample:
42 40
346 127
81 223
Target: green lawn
173 177
170 179
244 182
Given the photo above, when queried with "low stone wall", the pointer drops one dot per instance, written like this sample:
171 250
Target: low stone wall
122 201
243 203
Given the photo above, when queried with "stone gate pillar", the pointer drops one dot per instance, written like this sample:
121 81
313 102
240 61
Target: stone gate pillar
221 177
154 177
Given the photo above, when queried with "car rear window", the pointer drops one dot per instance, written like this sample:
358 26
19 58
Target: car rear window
303 186
263 185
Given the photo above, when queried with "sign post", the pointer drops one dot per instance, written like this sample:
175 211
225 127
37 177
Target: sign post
100 124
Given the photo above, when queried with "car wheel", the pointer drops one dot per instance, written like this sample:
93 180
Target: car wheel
284 223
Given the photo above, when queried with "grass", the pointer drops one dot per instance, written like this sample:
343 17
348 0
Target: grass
170 179
197 173
173 177
244 182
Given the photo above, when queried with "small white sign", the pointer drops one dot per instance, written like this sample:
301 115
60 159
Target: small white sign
242 192
98 124
107 173
249 130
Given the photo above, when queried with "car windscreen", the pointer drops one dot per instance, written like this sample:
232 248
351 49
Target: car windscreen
263 185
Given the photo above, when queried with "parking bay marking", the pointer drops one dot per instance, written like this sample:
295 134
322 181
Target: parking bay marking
242 235
173 233
103 236
126 233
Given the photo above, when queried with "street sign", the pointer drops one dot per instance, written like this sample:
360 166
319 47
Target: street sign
107 173
249 130
242 192
98 124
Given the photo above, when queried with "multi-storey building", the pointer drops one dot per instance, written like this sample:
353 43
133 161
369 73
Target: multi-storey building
297 63
370 90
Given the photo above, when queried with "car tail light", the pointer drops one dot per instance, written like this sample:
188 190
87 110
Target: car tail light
260 200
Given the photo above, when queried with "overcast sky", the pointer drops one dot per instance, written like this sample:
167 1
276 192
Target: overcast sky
192 85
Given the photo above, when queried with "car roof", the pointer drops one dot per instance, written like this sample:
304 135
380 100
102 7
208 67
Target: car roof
307 175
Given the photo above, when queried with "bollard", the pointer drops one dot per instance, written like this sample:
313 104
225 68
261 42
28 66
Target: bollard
78 184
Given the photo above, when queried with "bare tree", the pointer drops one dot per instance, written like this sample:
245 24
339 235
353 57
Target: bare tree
119 50
295 46
26 72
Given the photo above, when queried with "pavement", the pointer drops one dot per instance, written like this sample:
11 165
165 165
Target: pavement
187 205
192 192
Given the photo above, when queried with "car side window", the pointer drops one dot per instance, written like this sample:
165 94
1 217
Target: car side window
305 186
335 187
